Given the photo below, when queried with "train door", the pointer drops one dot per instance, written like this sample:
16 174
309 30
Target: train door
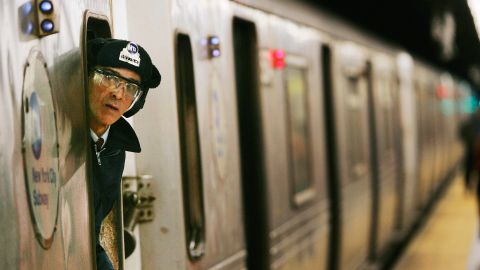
422 143
332 159
281 139
447 107
294 154
406 140
434 136
441 129
418 152
383 162
353 164
438 87
251 149
426 114
399 152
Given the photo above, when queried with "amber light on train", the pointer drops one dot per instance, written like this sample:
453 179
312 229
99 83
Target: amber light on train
277 58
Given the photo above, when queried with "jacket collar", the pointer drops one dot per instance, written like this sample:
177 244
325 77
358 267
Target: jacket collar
123 137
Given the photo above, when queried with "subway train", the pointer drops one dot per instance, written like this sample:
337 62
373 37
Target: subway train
281 137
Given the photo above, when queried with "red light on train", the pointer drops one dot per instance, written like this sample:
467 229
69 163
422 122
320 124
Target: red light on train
442 92
278 59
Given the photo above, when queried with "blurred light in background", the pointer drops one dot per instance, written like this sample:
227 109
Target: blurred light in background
475 10
468 104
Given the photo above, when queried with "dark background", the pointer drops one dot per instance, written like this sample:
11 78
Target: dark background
408 23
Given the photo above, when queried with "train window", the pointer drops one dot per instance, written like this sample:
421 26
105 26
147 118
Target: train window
296 88
97 26
386 115
191 164
356 87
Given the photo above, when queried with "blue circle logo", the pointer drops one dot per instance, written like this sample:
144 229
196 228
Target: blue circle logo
36 125
132 48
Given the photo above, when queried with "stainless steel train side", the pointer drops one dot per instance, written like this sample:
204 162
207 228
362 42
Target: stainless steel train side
381 172
408 152
425 83
280 138
439 115
293 136
353 152
384 106
45 212
224 243
173 31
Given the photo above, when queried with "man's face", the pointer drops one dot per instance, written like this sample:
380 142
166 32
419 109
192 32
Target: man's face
106 104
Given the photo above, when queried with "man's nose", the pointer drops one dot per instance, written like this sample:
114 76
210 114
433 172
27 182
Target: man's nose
119 92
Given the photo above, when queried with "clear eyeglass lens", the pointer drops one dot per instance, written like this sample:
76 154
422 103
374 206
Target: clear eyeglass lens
109 81
131 89
114 81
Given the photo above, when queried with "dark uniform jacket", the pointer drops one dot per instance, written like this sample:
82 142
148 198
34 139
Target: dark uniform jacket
107 177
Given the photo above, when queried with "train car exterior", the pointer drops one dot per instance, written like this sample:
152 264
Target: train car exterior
408 142
292 129
384 155
353 152
194 143
384 105
281 138
46 210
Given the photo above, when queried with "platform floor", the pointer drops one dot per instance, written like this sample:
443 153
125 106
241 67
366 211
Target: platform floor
446 239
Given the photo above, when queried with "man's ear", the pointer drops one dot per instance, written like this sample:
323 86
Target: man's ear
137 106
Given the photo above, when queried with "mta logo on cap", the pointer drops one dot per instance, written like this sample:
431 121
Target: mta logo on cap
130 54
132 48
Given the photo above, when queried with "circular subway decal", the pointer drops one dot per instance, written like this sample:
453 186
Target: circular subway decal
40 149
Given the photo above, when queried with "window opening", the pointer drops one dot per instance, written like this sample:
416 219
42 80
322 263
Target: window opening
356 87
190 150
296 88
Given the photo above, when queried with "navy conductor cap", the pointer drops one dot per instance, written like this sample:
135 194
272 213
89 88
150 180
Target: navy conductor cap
119 53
